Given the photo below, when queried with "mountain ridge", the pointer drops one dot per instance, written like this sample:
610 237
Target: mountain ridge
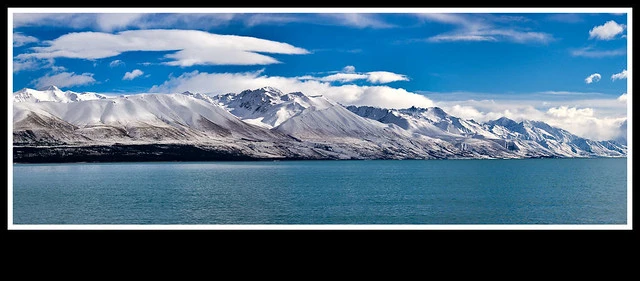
266 123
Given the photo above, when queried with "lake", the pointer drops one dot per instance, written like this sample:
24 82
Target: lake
414 192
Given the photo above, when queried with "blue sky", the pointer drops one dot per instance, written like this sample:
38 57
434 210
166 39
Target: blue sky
554 67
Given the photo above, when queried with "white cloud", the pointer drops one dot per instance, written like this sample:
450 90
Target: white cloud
520 36
623 97
505 18
265 19
21 65
118 21
64 79
582 122
30 64
116 63
483 28
349 75
596 117
570 112
607 31
343 77
589 52
220 83
457 19
465 111
460 37
621 75
193 47
349 69
203 21
357 20
133 74
383 77
79 20
109 22
20 39
591 115
592 78
55 68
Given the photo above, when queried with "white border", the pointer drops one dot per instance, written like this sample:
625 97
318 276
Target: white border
629 118
12 226
10 120
323 227
321 10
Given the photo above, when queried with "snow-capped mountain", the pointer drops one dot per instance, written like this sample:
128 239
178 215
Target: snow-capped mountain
554 139
335 125
142 119
467 135
526 138
52 93
267 123
334 130
269 107
425 121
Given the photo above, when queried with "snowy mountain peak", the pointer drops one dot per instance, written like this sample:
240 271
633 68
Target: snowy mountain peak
438 111
370 112
414 109
271 90
267 91
505 122
50 88
199 96
269 107
434 111
53 94
434 114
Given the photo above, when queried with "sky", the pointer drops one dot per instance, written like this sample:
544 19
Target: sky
566 68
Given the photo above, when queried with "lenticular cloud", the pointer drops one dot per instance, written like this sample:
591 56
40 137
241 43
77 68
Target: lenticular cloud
192 47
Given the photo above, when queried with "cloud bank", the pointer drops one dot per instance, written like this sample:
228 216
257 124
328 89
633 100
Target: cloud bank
623 97
594 118
192 47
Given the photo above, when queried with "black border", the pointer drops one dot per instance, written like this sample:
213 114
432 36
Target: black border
507 242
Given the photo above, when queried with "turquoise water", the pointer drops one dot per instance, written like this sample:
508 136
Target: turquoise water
530 191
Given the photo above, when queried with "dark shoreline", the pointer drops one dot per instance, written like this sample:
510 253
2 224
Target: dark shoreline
127 153
153 153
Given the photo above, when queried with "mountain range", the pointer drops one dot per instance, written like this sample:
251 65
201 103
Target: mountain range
51 125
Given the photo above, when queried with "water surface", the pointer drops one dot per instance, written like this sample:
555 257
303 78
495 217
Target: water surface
528 191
